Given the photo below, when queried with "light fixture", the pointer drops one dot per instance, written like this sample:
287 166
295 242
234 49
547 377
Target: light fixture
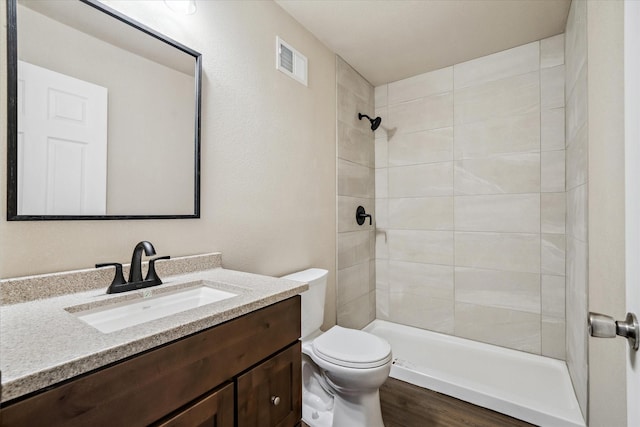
185 7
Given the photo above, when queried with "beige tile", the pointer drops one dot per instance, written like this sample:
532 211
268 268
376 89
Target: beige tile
428 313
552 212
508 173
382 188
508 328
347 213
552 87
430 247
511 96
428 146
432 112
498 135
498 251
382 213
354 248
355 314
512 62
577 159
348 107
577 212
381 157
422 85
355 145
382 245
349 78
421 213
382 274
553 338
382 304
353 282
503 213
381 98
355 180
576 107
552 171
421 280
501 289
552 51
552 129
553 296
434 179
552 255
575 42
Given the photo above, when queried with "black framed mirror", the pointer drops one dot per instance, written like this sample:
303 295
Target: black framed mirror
103 116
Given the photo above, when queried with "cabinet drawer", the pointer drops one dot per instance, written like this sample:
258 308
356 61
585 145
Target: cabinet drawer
270 395
147 387
213 410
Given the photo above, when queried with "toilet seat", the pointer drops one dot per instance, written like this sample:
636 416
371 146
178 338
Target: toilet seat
352 348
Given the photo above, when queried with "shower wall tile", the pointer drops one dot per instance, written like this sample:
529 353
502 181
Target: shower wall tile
553 254
421 213
552 213
510 96
433 179
576 107
382 213
499 135
553 296
498 251
552 171
512 62
431 247
575 43
355 180
356 84
382 179
382 274
577 153
577 212
518 213
354 145
432 112
552 51
348 107
380 96
500 289
553 338
421 86
428 146
383 311
353 282
421 280
508 173
509 328
552 87
347 213
382 245
354 248
358 313
552 129
428 313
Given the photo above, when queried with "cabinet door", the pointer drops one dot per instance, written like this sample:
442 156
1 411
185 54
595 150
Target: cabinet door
213 410
270 395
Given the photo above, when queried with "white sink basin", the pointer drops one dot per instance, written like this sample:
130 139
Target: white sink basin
116 316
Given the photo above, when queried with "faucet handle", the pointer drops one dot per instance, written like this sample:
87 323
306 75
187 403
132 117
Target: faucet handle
118 279
151 274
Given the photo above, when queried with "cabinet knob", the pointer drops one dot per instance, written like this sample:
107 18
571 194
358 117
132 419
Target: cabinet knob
275 400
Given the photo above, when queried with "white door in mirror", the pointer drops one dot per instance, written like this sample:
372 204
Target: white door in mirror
62 144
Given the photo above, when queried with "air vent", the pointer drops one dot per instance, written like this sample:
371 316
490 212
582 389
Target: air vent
290 61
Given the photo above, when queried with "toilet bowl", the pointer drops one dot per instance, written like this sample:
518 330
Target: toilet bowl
342 369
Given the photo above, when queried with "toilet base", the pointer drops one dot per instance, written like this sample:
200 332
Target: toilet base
358 410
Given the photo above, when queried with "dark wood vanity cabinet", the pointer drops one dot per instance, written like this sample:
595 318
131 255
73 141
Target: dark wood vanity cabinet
245 372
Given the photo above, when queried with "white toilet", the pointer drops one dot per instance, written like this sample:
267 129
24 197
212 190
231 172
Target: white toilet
342 369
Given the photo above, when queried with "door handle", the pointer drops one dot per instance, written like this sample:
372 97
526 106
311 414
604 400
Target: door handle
602 326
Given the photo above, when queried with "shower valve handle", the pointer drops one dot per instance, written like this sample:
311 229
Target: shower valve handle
361 215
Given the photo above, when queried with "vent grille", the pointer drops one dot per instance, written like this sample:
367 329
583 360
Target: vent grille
290 61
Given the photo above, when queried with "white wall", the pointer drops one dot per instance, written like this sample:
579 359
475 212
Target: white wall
268 156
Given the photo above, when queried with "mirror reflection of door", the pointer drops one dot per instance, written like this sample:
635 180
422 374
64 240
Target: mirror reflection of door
62 144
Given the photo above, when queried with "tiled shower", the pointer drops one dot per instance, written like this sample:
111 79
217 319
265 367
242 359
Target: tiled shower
477 218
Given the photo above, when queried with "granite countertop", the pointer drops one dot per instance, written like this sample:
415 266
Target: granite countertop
41 343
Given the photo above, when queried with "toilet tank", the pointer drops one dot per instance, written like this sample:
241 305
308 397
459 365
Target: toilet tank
312 299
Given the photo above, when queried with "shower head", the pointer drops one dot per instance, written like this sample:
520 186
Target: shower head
374 122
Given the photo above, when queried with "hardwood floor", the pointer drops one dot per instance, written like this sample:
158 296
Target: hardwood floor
406 405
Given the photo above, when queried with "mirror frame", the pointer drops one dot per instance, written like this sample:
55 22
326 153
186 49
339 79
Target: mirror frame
12 119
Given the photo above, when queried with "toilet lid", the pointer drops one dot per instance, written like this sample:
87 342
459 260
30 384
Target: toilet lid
352 348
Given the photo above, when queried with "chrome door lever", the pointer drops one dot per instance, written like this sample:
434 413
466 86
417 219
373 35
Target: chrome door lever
602 326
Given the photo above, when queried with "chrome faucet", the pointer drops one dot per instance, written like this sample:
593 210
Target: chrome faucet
135 272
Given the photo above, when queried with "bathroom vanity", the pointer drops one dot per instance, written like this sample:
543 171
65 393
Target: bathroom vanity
231 363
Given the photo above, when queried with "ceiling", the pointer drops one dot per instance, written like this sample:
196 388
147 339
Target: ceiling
388 40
